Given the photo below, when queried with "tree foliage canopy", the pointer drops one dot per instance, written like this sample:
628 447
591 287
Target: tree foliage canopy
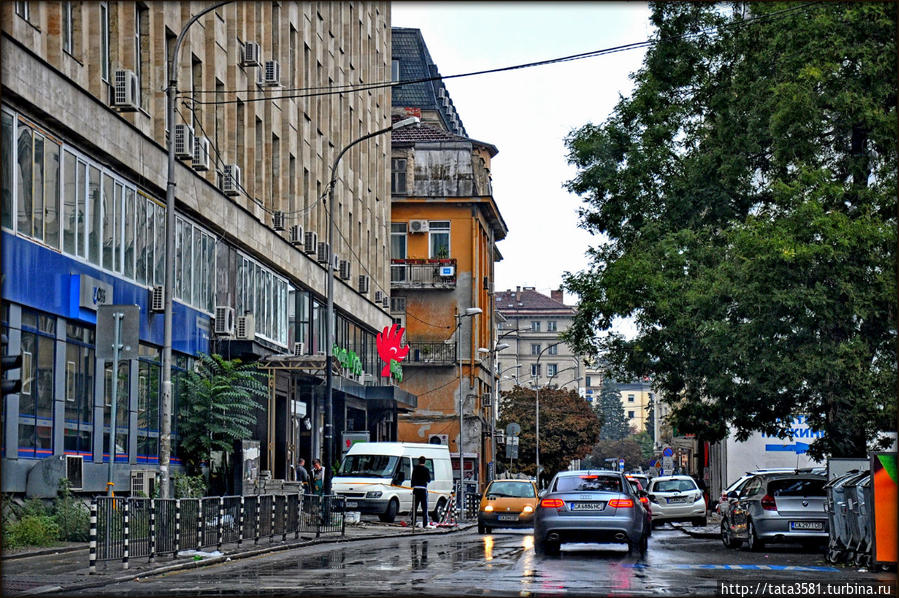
218 407
747 192
568 427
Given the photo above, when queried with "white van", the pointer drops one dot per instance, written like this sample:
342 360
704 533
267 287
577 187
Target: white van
375 477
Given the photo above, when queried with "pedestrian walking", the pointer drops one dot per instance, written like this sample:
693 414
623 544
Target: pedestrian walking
421 476
318 477
303 475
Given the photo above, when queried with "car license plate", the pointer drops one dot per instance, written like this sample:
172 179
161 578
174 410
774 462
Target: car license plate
588 506
508 517
678 499
352 503
815 525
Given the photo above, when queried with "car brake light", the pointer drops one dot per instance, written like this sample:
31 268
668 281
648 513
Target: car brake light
644 500
621 503
768 503
552 503
589 477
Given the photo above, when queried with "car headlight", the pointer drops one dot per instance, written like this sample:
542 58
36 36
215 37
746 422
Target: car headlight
527 509
373 494
488 508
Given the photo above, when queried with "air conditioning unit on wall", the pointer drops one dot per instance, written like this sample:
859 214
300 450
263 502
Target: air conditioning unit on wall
201 154
125 91
245 329
157 298
363 284
143 482
278 220
310 242
251 54
296 235
184 142
345 269
418 226
231 180
439 439
224 320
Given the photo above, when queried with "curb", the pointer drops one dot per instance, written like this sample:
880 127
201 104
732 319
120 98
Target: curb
102 581
44 552
697 534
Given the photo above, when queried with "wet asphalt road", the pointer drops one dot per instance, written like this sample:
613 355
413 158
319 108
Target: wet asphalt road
498 564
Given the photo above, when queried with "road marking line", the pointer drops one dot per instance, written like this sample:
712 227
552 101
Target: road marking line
802 568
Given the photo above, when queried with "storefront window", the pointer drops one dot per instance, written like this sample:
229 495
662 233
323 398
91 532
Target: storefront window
121 440
79 391
148 399
36 397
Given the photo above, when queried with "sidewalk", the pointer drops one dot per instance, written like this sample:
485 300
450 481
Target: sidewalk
65 568
711 531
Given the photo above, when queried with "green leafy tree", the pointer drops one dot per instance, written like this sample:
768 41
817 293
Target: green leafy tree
611 412
568 427
606 453
747 192
218 408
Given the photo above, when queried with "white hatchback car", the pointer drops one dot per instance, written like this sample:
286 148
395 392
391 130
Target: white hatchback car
676 498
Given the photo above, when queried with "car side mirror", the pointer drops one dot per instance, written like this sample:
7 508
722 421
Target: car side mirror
541 494
733 494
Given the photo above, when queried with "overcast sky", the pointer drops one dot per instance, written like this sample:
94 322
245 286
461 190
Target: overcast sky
528 113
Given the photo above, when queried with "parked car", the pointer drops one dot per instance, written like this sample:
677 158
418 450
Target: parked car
640 477
780 508
507 503
641 493
676 498
589 506
731 494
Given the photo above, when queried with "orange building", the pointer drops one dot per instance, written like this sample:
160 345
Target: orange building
444 229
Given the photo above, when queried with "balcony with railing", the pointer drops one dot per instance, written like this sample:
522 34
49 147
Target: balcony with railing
423 274
429 353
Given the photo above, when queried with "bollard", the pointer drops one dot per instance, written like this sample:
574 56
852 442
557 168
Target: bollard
240 524
256 535
125 551
152 530
299 515
271 529
199 523
221 521
92 550
284 528
177 527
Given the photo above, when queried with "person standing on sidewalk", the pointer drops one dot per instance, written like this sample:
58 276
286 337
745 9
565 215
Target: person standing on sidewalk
303 475
318 477
421 476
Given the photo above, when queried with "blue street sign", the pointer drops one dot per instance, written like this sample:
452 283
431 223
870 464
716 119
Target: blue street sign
667 452
798 448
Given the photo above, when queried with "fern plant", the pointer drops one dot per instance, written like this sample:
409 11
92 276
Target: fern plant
218 407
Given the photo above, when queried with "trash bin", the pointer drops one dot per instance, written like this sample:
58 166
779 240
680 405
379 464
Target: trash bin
854 536
835 505
864 496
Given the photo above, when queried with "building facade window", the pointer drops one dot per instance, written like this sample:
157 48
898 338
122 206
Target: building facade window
263 294
551 326
439 239
68 28
535 349
148 391
104 42
38 374
7 149
79 391
535 369
552 369
395 70
553 349
588 381
630 414
398 176
37 184
141 48
23 9
535 326
122 423
630 398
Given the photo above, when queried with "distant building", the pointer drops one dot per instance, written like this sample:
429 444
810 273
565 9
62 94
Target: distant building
532 325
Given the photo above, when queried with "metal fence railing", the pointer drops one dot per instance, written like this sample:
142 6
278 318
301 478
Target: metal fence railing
122 528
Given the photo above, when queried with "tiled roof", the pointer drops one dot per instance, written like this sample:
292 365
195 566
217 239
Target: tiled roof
422 132
529 300
415 63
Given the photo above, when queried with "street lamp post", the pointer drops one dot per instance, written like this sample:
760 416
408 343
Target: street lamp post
537 401
495 381
329 318
469 312
165 437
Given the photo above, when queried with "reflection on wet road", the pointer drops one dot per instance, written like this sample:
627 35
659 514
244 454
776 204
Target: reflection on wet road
466 564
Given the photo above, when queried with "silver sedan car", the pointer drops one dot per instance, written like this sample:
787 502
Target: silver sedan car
676 498
590 506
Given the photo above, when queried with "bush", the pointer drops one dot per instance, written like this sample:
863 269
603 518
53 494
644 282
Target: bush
71 515
189 486
31 530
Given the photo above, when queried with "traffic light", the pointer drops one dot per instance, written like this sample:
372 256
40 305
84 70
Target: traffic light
10 362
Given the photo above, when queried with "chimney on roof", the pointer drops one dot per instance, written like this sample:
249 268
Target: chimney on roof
517 293
556 295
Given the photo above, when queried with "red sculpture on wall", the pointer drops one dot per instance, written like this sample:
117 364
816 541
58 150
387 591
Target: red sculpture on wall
389 349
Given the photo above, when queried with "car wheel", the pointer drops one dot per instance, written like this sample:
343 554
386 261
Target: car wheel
389 515
552 548
657 524
752 540
481 528
644 544
437 515
725 535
